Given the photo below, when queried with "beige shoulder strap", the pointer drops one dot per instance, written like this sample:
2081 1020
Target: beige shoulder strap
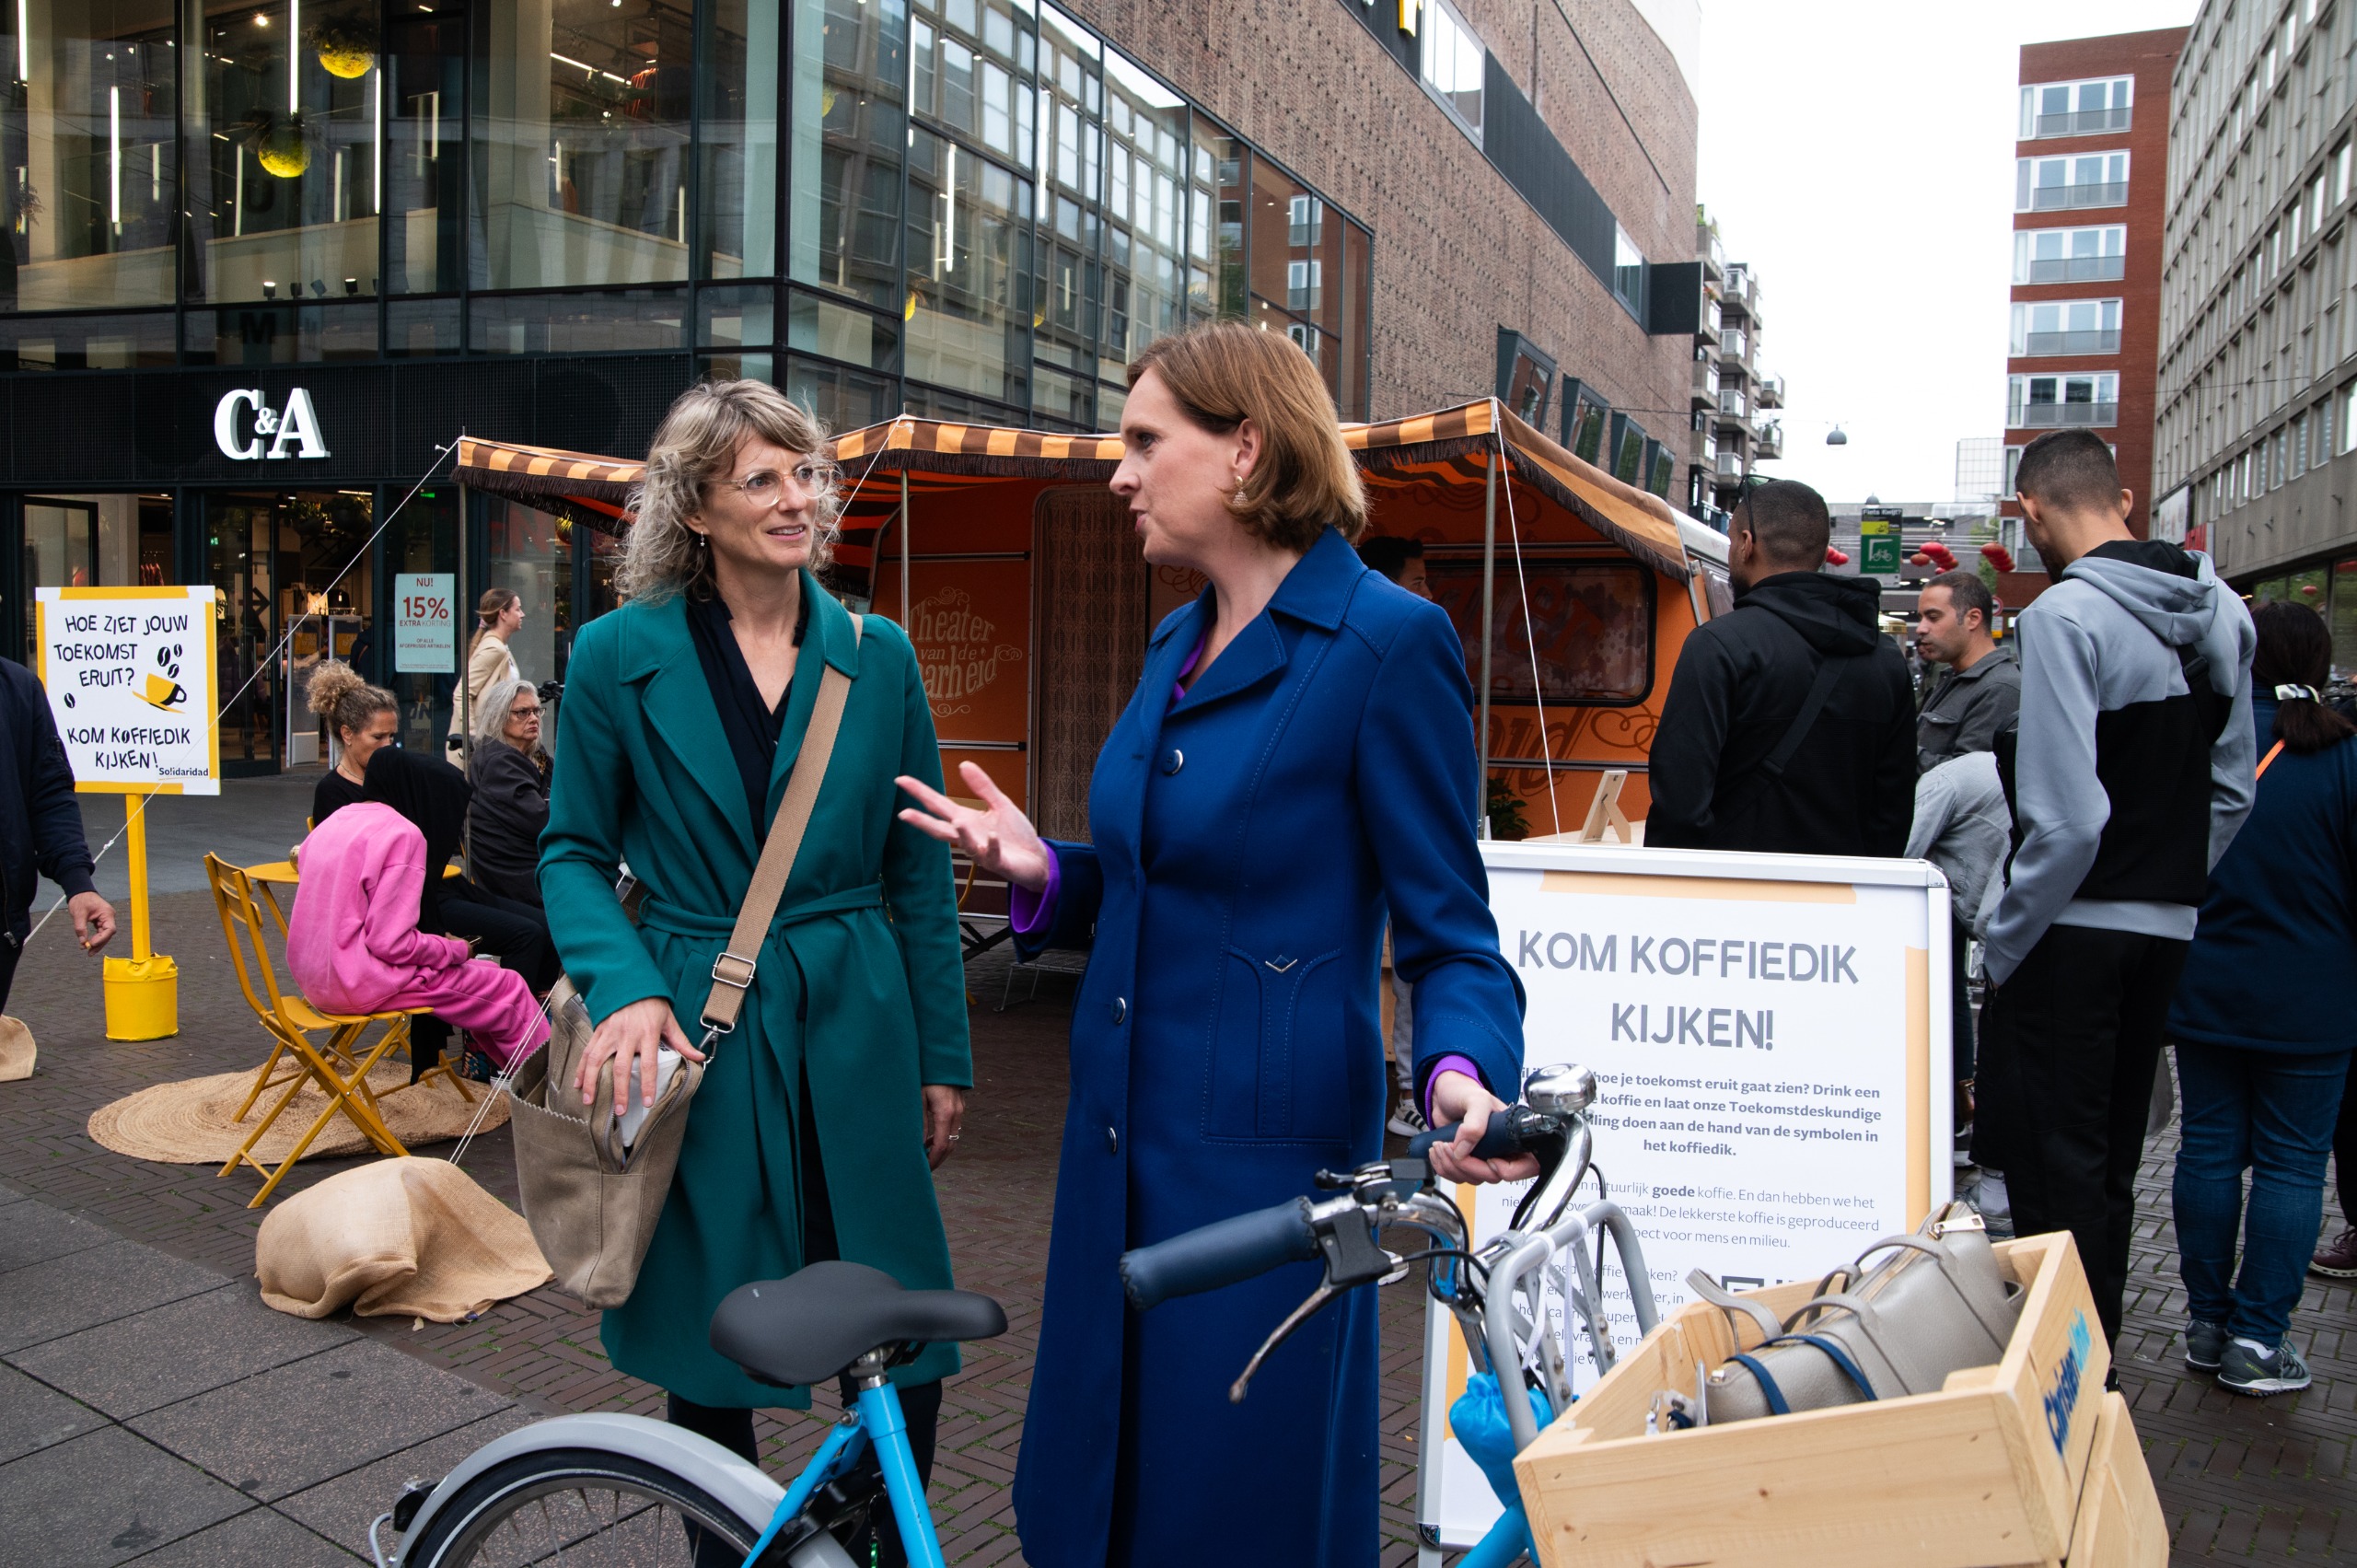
732 972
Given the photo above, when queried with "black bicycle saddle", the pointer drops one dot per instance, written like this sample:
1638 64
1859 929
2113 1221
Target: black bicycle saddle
813 1323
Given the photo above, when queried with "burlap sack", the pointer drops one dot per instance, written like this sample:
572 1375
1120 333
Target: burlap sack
399 1238
15 1050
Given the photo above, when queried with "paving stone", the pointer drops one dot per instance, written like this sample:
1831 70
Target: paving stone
33 1417
84 1289
341 1509
34 1232
172 1353
256 1538
104 1498
294 1426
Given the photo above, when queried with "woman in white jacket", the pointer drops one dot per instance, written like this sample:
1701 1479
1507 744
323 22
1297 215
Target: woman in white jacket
499 614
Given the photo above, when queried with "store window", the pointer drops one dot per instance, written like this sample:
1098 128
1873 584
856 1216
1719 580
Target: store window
971 65
1146 241
422 537
292 569
1216 225
89 182
580 138
739 135
280 334
850 72
86 342
2342 615
1296 260
531 553
1453 63
285 118
1071 194
424 87
970 306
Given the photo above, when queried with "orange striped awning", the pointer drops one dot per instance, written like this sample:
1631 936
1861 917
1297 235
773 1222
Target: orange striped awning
1431 447
974 451
595 490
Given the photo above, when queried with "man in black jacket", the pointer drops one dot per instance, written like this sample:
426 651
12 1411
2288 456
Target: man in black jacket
1790 725
40 825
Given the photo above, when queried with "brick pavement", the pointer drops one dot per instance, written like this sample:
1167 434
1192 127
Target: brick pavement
2239 1478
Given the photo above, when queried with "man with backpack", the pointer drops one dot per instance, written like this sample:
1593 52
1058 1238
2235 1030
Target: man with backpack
2127 784
1789 724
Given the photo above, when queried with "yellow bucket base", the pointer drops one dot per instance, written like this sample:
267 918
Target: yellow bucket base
143 998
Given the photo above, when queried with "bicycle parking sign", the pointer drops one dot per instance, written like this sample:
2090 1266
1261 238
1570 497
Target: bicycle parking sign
1770 1037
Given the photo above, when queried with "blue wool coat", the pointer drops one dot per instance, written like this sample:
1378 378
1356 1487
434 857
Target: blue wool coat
1225 1046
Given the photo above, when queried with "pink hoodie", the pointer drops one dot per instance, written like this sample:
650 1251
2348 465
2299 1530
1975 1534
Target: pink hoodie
352 942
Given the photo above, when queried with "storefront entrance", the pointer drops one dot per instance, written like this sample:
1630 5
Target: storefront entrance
293 569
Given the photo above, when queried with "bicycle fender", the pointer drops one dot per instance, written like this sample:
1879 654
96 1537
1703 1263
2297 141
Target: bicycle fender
734 1485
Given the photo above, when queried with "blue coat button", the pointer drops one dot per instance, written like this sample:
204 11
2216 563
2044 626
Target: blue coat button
1175 760
1112 1142
1120 1008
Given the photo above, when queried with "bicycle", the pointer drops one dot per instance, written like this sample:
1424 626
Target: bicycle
631 1489
1496 1292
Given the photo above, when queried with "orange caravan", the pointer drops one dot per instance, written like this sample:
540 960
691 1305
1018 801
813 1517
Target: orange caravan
1018 577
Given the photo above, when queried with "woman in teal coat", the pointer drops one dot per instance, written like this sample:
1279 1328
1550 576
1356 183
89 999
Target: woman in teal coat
811 1136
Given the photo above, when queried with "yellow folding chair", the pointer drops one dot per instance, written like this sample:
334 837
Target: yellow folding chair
336 1064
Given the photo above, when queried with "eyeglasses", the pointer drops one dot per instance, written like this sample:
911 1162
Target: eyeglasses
761 487
532 712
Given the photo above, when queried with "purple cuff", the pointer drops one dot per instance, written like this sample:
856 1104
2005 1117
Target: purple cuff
1030 913
1447 1064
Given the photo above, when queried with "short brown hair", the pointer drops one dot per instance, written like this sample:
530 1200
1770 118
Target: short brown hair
1223 373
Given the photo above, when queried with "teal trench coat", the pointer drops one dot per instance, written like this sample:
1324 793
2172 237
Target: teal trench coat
860 984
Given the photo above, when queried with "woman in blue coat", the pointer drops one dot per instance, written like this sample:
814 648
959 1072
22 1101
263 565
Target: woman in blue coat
2262 1022
1298 757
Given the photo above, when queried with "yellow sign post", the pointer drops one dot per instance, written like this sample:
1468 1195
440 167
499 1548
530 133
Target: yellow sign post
129 678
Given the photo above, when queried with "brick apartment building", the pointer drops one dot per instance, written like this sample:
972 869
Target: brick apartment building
2089 200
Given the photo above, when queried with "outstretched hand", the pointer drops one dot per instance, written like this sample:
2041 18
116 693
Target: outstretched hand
999 837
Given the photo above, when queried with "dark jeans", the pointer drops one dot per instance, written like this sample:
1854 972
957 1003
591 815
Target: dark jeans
2271 1113
516 934
1960 1005
9 953
2068 1048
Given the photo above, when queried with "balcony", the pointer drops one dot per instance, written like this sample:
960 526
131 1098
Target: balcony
1730 466
2078 269
1706 384
1701 448
2105 341
1771 391
2086 123
2062 198
2053 416
1734 343
1767 440
1708 253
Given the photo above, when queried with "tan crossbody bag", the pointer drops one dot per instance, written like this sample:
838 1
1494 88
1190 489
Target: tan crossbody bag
591 1196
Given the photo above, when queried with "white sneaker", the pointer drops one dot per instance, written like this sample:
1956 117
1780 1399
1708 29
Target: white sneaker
1406 1120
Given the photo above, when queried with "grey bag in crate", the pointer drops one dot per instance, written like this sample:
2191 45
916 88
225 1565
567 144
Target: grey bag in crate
591 1202
1938 1303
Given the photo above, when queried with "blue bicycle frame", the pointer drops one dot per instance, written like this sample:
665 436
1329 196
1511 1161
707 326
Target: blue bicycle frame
875 1419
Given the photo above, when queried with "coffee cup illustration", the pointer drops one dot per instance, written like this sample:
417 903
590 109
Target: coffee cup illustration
161 692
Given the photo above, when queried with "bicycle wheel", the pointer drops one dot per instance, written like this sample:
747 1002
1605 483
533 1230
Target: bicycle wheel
580 1506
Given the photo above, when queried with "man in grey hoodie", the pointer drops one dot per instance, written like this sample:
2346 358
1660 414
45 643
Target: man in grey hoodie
2127 785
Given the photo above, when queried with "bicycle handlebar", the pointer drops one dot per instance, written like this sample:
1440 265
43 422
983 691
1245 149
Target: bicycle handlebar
1220 1254
1504 1137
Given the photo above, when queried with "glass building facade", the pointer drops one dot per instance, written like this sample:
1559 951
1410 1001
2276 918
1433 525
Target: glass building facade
963 208
539 220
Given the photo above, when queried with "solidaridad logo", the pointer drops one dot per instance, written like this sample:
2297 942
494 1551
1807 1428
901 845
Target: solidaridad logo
160 689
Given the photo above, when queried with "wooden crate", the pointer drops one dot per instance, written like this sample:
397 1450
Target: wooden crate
2120 1524
1986 1473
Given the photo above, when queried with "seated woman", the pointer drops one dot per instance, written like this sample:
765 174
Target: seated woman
511 804
353 942
363 718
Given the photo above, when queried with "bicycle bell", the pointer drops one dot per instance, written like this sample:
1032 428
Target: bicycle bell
1561 1090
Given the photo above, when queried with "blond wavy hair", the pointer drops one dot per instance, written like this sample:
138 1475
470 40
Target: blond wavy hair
697 446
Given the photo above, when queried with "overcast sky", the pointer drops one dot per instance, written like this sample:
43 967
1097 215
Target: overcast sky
1861 154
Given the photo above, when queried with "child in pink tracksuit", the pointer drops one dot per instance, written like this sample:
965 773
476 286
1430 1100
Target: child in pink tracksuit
354 944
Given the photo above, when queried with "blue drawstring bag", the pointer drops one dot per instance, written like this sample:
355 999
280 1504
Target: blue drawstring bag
1478 1418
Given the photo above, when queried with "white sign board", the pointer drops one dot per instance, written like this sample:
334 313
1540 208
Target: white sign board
1769 1034
425 638
129 678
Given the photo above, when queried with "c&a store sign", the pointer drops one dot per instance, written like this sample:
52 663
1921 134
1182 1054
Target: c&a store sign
246 428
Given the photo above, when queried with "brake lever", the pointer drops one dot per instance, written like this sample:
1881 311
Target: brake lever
1325 1293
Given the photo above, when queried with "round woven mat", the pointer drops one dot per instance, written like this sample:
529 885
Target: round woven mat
17 1052
190 1122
